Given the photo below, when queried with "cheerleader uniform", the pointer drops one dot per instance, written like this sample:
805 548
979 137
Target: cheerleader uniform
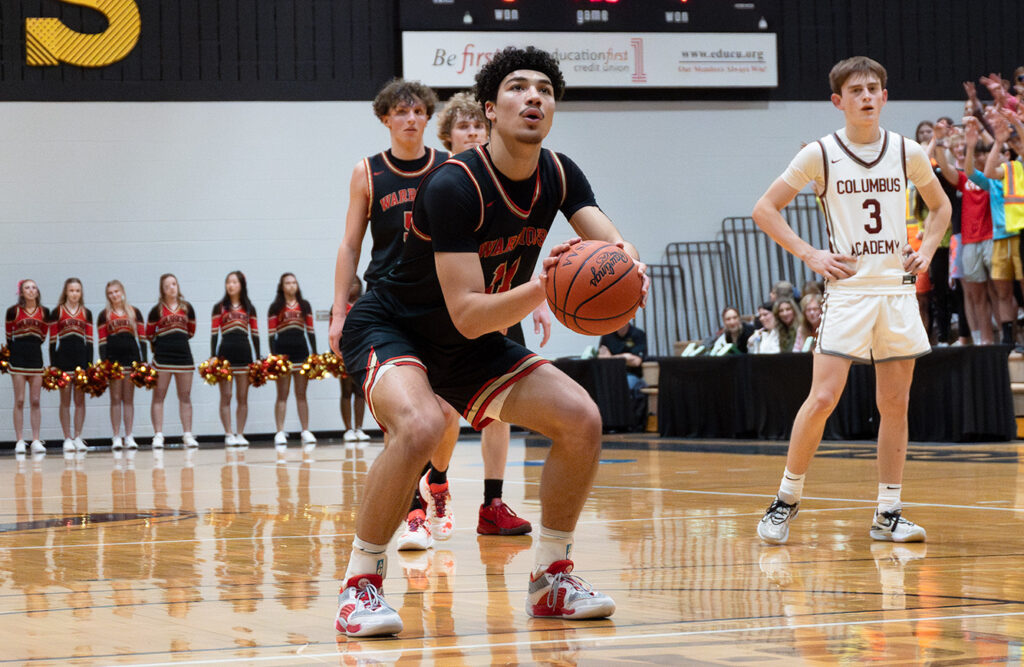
71 338
26 332
168 332
118 341
290 332
235 327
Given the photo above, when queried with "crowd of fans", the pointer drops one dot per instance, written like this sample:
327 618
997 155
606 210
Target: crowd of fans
972 293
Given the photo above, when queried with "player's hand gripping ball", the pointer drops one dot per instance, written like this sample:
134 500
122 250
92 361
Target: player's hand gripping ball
594 288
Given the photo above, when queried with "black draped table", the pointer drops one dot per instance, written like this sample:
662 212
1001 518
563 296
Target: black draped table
960 394
605 381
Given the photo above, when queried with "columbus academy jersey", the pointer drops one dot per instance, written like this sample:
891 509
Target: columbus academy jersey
392 184
466 205
863 194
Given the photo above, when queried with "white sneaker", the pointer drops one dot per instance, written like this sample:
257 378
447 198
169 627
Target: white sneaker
20 447
308 438
281 438
189 440
80 444
38 447
116 442
362 611
892 527
69 445
416 536
350 436
360 435
555 593
158 441
240 440
230 440
774 525
130 443
439 507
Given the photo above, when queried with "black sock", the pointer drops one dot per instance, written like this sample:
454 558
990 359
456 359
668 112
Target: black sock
1007 333
492 490
438 476
417 500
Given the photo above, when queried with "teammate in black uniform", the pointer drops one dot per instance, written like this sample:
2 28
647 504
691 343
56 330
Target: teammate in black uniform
290 332
25 327
122 334
431 326
71 347
235 337
381 195
169 326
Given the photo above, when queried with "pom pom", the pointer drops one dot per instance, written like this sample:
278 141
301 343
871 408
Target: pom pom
215 370
54 379
143 375
313 368
5 360
79 378
334 365
112 369
257 373
97 379
277 365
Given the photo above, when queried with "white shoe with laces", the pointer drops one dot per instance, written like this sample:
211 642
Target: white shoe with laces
350 436
556 593
20 447
230 440
417 535
69 445
158 441
774 525
362 611
892 527
189 440
116 442
240 440
308 438
281 438
360 435
130 443
80 445
38 447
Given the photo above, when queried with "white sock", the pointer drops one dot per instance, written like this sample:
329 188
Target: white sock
554 545
791 488
976 337
366 558
889 497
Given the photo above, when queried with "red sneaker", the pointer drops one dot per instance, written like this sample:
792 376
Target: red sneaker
499 519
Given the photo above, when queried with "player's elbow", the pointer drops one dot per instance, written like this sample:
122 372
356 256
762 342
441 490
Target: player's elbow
468 326
762 212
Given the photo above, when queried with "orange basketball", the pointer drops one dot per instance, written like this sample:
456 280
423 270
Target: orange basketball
595 288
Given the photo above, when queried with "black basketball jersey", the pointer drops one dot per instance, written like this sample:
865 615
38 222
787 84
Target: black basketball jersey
466 205
392 184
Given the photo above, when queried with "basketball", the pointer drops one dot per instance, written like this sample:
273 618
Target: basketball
594 289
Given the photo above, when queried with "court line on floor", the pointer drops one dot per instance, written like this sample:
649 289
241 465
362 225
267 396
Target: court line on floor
631 638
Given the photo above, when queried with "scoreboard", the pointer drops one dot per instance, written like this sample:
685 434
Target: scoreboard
592 15
654 44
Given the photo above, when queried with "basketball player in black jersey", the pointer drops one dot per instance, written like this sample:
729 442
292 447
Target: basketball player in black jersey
381 195
432 325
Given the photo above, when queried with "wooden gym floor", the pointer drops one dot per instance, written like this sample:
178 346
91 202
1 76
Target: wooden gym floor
215 557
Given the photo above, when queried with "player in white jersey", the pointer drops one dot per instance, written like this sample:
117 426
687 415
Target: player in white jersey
870 310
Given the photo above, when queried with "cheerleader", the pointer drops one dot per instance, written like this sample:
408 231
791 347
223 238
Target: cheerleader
170 325
122 334
26 327
290 332
351 400
71 347
234 323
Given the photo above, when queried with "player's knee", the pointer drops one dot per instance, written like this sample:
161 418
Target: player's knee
19 403
419 433
823 401
895 404
581 423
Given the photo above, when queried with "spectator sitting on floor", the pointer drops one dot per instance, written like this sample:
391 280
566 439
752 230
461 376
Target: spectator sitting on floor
787 323
812 287
783 289
734 330
629 343
765 339
810 306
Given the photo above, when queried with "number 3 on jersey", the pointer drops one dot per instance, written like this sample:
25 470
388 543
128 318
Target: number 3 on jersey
875 213
501 281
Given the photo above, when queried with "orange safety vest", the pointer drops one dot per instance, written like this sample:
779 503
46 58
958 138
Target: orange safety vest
1013 195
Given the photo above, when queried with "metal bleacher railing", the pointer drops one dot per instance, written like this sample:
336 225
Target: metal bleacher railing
699 278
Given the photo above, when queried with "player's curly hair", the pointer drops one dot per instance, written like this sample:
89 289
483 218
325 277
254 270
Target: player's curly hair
461 104
509 60
399 90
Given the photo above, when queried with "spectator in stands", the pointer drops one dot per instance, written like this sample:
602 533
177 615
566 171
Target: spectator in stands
734 330
975 223
783 289
923 133
810 307
765 339
629 343
812 287
787 323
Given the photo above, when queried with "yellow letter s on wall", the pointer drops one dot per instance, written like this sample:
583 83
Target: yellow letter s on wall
50 42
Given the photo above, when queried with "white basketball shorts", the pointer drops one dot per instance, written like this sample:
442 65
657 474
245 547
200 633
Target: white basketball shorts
871 327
